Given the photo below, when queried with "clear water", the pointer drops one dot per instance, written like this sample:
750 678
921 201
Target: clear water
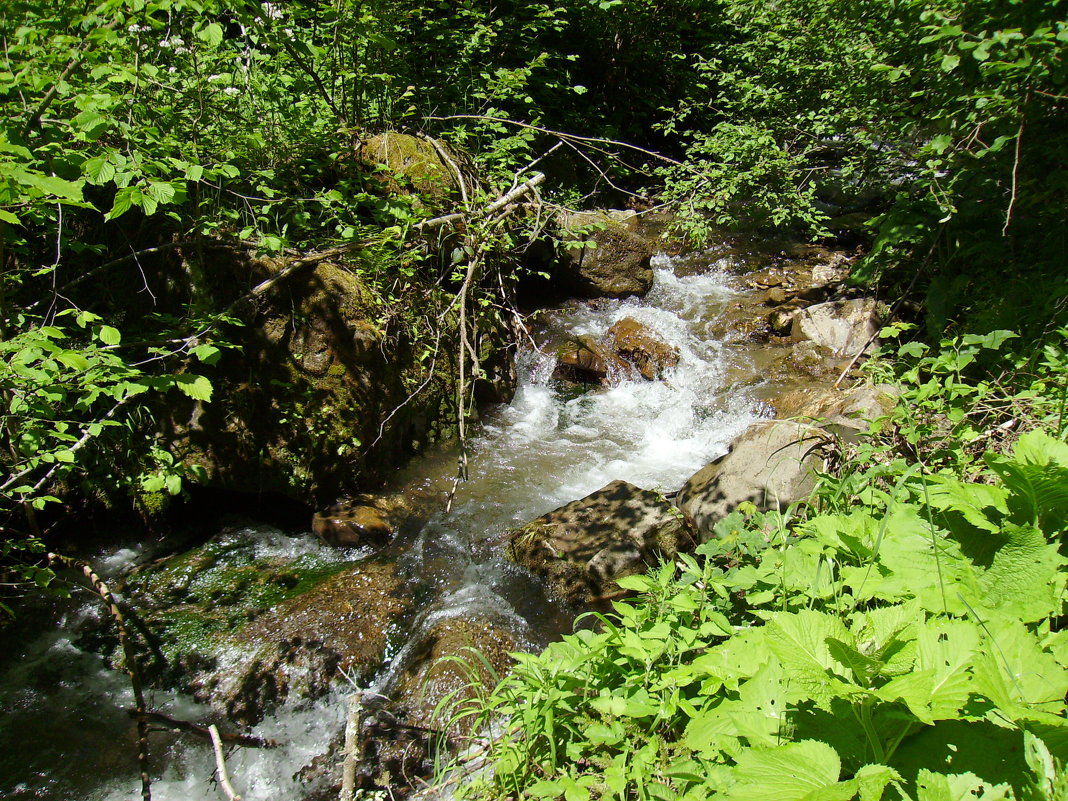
62 732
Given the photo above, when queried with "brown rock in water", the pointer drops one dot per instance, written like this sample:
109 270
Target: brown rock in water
347 525
586 361
581 549
636 343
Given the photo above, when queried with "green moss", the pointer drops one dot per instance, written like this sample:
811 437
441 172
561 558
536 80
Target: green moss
190 599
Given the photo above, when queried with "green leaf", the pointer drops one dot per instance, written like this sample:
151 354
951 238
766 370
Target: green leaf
64 456
98 170
802 641
124 199
73 360
8 217
788 773
940 683
958 787
196 387
109 335
211 34
160 191
209 354
1037 477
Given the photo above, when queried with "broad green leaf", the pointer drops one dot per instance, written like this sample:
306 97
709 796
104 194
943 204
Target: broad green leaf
58 187
1026 577
124 199
211 34
802 643
1037 477
160 191
196 387
8 217
940 683
788 773
980 504
73 360
109 335
209 354
98 170
959 787
1016 673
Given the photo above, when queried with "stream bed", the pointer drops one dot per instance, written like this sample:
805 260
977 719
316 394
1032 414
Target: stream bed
64 732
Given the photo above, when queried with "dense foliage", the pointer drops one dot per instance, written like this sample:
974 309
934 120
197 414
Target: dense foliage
899 636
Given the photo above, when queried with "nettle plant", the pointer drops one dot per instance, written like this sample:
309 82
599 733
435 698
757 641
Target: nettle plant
912 651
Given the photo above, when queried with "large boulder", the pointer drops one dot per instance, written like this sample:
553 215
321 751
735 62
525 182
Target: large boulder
412 163
581 548
771 465
842 326
252 618
618 265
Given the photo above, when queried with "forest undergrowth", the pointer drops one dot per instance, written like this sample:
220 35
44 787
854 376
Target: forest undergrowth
897 635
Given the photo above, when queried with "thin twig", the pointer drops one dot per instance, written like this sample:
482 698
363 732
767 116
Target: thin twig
1015 172
561 135
220 764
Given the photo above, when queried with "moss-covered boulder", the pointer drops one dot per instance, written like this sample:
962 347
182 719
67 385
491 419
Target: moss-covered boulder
403 164
253 618
329 389
616 265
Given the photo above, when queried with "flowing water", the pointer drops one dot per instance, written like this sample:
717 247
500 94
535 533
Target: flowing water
62 730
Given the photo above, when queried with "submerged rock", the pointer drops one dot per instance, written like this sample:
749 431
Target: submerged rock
581 548
362 521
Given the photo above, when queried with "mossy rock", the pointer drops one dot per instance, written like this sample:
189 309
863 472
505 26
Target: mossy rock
241 630
406 163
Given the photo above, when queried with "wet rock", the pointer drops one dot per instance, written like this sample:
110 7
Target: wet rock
843 326
581 548
637 343
405 727
781 319
771 465
300 647
242 626
617 267
584 360
365 520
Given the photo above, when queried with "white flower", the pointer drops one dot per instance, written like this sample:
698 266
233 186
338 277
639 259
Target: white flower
272 11
231 91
